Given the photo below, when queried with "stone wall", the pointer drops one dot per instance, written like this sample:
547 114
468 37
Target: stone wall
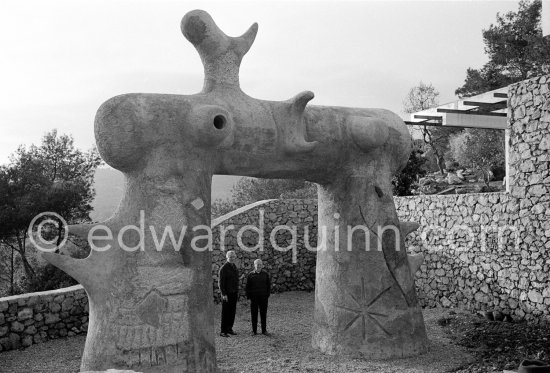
475 267
479 254
291 269
33 318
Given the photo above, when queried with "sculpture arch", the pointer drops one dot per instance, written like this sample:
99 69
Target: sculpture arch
151 310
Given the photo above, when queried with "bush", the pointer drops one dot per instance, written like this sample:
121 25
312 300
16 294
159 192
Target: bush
48 277
479 148
407 179
221 207
249 190
499 172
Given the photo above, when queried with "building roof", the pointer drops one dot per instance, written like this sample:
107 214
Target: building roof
487 110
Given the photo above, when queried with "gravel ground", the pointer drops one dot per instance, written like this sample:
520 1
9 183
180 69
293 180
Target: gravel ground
288 349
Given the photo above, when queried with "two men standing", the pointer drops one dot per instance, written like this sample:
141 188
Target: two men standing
258 288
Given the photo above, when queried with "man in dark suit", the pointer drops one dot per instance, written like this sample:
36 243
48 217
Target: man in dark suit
228 281
258 288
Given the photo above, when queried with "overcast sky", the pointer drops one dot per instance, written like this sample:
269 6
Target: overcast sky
60 60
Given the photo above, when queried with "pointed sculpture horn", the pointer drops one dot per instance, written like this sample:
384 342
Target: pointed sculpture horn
245 41
299 102
221 55
292 128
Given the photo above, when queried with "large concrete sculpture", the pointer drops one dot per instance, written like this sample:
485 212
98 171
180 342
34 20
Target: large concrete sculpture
151 310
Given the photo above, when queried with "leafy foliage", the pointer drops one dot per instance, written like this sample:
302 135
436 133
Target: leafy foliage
408 177
516 50
482 149
54 177
249 190
488 78
221 207
48 277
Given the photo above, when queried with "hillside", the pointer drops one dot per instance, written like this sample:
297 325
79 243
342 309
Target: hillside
109 186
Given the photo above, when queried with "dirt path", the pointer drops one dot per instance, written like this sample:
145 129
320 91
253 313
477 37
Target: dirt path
286 350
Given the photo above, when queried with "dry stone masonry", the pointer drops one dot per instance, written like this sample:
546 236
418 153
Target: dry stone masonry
291 265
470 265
510 274
37 317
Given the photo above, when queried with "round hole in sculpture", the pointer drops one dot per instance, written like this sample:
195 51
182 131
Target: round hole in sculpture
219 121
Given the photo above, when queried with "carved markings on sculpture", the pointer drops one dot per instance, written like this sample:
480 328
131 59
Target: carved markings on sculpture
365 221
362 312
158 320
153 332
396 262
183 354
206 361
150 309
378 191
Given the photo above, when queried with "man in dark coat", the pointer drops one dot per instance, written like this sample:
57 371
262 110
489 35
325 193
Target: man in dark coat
228 281
258 288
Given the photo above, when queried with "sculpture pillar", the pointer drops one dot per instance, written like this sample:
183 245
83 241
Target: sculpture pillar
365 303
150 296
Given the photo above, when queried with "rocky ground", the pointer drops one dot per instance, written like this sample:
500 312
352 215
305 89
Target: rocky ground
459 342
457 182
497 345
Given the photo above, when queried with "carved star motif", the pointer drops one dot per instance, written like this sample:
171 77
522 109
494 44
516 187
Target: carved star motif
362 312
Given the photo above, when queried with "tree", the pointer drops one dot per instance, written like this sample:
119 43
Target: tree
7 259
479 148
422 97
221 207
54 176
6 270
516 50
249 190
408 177
308 191
488 78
